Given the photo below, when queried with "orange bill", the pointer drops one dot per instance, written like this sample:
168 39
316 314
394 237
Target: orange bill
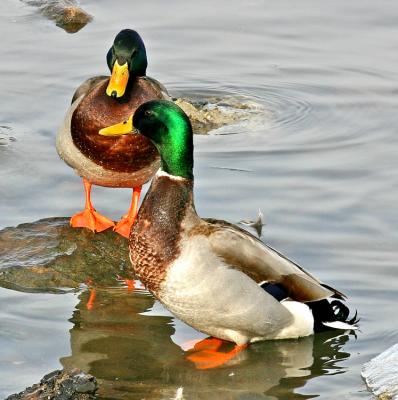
122 128
118 82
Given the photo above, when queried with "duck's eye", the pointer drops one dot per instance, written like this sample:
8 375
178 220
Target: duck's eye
148 113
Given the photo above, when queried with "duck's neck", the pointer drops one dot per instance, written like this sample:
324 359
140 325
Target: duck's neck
166 213
176 159
168 199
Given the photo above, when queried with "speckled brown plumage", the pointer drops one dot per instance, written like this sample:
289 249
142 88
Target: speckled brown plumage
154 239
127 153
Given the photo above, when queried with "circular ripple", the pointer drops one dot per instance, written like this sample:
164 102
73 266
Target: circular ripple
277 105
286 107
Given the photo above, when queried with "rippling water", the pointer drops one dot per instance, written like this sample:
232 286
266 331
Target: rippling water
320 160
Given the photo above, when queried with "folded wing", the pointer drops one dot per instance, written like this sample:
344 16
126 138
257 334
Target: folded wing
243 251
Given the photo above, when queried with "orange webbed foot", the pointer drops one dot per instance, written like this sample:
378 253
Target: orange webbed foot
123 227
201 344
91 219
206 354
210 344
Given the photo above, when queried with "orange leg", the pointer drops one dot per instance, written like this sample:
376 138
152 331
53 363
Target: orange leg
130 284
93 292
89 218
90 302
123 227
206 354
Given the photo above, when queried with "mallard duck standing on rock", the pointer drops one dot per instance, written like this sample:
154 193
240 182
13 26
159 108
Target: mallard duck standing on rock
211 274
114 161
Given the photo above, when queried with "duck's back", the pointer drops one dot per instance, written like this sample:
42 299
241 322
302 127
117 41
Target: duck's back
127 153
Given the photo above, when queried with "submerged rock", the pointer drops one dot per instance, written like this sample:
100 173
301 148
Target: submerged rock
207 115
65 13
381 374
49 254
66 385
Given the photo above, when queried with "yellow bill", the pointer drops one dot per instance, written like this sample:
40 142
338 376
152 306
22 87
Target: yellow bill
118 82
122 128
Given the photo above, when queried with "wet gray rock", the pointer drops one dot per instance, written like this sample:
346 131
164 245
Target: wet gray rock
48 254
65 13
381 374
61 385
214 113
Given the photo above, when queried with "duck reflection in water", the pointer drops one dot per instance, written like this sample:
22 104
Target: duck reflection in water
132 345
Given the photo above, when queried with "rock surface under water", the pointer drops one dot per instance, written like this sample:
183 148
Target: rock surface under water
49 254
66 385
381 374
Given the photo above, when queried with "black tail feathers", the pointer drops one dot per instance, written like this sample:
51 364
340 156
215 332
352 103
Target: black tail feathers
328 315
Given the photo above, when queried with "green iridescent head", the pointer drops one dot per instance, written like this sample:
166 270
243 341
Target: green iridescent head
169 129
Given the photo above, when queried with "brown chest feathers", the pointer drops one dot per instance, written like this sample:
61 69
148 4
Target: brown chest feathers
127 153
154 239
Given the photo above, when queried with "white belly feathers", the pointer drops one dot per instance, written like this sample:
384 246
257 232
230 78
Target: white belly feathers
214 298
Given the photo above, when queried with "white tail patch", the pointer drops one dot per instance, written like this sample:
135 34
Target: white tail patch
303 320
340 325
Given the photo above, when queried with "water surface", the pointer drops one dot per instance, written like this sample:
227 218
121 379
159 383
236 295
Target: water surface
321 164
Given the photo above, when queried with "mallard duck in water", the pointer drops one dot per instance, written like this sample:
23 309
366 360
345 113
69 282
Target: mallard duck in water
118 161
211 274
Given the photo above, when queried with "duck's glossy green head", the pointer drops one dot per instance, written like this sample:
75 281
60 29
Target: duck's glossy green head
169 129
126 59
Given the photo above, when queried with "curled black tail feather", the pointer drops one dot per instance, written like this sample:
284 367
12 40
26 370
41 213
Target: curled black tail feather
322 311
325 312
340 310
